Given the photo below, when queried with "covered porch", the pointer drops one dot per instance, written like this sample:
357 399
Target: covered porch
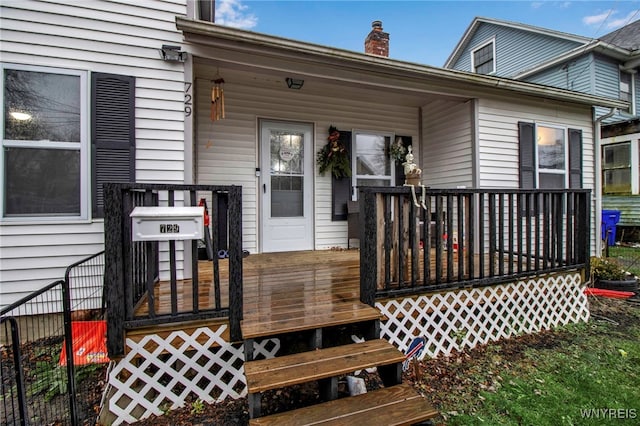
518 267
483 238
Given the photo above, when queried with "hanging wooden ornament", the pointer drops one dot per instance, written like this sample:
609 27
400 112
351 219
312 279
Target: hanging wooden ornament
217 99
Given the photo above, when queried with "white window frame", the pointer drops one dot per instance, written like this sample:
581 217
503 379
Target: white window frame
630 89
634 138
83 146
480 46
354 147
564 172
630 166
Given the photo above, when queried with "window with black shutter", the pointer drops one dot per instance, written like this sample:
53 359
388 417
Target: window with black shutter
543 153
112 133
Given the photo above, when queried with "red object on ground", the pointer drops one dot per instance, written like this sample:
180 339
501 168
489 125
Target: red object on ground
89 343
613 294
203 202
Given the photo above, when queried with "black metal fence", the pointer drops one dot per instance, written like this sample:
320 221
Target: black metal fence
142 277
41 381
413 242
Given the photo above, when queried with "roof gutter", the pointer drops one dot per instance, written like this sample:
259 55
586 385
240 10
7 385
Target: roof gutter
596 45
632 63
318 54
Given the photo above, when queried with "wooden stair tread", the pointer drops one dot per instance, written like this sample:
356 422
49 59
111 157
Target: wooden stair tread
304 367
266 324
395 405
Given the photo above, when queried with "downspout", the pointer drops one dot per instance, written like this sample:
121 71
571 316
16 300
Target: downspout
598 175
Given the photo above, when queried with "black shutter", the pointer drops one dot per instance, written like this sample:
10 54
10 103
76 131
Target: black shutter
341 188
112 133
527 151
399 168
575 158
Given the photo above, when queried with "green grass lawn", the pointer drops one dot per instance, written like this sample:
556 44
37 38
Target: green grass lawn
549 379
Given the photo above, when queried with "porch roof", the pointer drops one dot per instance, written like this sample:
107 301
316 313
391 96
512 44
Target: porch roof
277 53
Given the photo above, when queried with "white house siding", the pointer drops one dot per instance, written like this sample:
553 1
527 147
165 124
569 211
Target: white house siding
498 139
120 37
227 151
447 156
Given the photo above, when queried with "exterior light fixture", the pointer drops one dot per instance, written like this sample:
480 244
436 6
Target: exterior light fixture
172 53
20 116
294 83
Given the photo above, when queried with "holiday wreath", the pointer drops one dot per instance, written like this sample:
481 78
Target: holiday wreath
334 156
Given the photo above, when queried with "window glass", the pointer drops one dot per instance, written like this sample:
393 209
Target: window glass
616 168
483 59
551 181
625 86
43 143
372 164
287 173
551 148
42 181
41 106
372 157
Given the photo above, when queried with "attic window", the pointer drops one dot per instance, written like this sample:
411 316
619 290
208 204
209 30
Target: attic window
483 58
207 10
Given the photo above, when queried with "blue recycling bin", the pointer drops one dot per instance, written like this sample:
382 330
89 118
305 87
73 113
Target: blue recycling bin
610 219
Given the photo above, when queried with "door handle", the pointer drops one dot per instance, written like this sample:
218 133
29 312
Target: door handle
264 188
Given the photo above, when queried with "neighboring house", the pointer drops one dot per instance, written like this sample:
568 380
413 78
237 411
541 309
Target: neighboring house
607 66
70 67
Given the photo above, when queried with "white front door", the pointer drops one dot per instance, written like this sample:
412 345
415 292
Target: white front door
286 186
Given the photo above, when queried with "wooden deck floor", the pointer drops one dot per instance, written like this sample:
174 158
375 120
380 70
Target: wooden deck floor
286 291
277 286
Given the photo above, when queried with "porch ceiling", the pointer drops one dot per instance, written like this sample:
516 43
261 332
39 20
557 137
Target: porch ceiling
241 49
325 86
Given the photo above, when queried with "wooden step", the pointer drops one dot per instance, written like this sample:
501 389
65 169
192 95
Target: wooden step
306 318
395 405
305 367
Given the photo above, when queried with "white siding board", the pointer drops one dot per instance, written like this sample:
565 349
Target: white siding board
498 168
96 36
447 159
232 154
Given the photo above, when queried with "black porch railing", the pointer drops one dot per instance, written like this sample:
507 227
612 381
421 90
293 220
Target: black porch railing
40 384
467 238
135 269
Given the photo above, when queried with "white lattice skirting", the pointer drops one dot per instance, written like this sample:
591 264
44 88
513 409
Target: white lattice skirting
161 372
461 319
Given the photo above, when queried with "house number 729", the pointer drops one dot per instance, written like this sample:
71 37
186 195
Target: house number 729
187 99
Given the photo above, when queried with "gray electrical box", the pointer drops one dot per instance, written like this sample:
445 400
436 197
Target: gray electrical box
167 223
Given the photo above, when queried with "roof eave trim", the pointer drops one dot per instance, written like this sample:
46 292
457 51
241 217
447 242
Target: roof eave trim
478 20
367 62
596 45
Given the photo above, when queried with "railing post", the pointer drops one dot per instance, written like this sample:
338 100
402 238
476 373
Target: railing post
368 249
113 269
68 342
235 262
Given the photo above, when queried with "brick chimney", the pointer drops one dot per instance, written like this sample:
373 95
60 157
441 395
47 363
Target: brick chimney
377 42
